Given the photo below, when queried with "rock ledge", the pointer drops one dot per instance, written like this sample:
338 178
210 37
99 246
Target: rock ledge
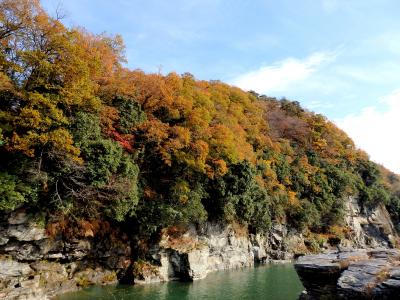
351 274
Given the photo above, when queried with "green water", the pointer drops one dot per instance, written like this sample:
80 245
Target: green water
274 282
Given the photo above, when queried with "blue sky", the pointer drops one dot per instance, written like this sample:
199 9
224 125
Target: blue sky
337 57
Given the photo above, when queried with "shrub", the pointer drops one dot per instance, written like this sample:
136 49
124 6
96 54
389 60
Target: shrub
14 192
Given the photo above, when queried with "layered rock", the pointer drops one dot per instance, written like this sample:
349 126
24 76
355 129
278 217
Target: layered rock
37 265
34 265
197 252
212 247
371 227
356 274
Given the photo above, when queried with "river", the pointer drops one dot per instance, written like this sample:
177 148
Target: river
267 282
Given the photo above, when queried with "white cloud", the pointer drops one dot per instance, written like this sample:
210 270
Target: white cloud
279 76
376 131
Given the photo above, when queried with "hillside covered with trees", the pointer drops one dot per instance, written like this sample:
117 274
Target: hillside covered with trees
88 142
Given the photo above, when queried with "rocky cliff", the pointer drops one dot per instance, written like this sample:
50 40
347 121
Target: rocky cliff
213 247
370 226
35 265
368 273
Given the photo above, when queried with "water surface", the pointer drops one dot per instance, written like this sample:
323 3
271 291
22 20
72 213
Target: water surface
268 282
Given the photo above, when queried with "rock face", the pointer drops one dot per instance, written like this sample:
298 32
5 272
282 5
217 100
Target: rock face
34 265
371 227
199 251
212 247
356 274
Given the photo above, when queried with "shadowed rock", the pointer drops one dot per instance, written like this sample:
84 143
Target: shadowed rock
357 274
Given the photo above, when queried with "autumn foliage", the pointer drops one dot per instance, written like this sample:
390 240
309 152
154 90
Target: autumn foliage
83 138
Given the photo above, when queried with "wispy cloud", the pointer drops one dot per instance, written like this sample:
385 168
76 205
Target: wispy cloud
319 105
374 129
280 75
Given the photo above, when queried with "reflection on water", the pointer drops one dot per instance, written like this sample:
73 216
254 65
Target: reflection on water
275 282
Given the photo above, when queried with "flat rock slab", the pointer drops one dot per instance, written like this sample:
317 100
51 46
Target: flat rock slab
356 274
320 263
385 254
362 277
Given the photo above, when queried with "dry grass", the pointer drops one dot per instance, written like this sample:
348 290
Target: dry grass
112 277
181 244
344 264
143 269
239 229
83 281
396 243
178 238
80 228
382 275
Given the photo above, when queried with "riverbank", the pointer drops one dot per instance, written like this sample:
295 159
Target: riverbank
36 263
351 274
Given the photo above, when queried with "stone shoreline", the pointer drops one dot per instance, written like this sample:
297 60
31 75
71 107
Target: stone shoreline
351 274
37 265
